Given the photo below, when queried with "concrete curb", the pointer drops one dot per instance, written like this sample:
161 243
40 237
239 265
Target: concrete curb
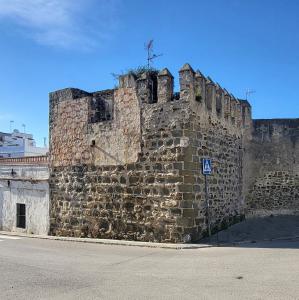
111 242
287 238
143 244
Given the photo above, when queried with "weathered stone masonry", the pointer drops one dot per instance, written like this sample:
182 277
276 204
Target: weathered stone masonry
125 163
273 174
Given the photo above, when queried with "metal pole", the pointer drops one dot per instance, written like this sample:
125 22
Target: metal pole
208 206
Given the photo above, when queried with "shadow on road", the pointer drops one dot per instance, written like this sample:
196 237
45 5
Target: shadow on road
260 232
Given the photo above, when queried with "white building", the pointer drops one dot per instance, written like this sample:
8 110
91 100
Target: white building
17 144
24 195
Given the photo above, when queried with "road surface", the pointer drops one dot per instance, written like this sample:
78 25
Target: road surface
49 269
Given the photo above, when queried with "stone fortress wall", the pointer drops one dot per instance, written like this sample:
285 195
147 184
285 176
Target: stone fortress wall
126 163
273 176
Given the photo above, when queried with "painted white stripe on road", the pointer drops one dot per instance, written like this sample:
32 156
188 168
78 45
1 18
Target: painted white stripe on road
6 237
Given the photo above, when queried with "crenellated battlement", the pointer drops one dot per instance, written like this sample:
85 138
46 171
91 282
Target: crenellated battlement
210 98
204 96
118 115
117 112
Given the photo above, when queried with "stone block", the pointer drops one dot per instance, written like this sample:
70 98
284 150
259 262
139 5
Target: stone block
184 188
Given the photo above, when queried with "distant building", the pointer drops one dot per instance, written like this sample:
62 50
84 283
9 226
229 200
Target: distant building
17 144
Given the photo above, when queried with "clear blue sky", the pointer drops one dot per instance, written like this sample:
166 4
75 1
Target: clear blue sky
47 45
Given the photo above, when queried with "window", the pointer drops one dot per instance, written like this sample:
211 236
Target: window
21 215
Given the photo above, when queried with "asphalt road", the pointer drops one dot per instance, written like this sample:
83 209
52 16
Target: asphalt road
48 269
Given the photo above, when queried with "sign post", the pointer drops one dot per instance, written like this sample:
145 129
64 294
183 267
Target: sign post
207 170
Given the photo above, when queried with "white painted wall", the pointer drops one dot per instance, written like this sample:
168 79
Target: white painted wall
1 207
28 171
28 186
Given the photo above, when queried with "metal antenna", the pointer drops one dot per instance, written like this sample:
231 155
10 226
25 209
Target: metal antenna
10 125
24 128
248 93
149 47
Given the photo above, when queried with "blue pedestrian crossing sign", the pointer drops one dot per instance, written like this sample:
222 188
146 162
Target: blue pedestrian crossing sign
206 166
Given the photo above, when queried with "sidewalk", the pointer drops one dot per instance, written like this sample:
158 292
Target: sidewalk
110 242
253 230
258 229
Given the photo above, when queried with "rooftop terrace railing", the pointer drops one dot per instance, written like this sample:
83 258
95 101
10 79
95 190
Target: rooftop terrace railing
39 160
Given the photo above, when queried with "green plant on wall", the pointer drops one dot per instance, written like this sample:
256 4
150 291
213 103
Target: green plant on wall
137 72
